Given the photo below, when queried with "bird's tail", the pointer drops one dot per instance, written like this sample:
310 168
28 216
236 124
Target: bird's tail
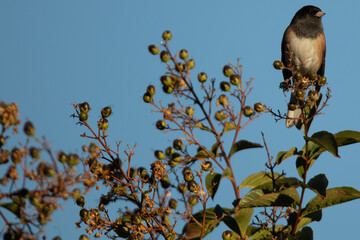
293 115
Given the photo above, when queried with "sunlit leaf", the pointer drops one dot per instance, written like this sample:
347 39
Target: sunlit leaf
326 140
347 137
257 198
193 231
333 197
243 144
311 217
212 182
319 183
257 179
285 154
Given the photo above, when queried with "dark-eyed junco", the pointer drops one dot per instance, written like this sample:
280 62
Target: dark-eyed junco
303 49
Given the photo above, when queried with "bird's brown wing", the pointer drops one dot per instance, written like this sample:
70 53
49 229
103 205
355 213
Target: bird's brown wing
285 52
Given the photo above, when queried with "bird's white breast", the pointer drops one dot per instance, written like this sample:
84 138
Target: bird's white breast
305 55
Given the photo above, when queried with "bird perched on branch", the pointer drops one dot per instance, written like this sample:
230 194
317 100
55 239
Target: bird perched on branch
303 50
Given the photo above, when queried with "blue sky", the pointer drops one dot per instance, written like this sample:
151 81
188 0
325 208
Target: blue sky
53 53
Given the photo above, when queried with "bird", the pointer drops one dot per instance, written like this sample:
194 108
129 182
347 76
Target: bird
303 49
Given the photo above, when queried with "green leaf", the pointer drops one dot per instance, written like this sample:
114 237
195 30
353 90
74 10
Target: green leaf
281 183
326 140
193 231
243 144
228 126
257 179
306 234
227 219
215 148
202 127
227 173
243 218
333 197
12 207
285 154
204 154
311 217
212 182
319 183
261 235
347 137
239 223
300 166
257 198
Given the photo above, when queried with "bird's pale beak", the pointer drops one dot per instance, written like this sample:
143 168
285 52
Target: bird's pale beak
319 14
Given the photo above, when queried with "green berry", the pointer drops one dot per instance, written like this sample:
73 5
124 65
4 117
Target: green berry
189 111
322 81
173 203
166 80
313 76
298 76
188 176
193 200
278 65
161 124
106 112
223 100
62 157
219 115
159 154
147 98
169 151
178 144
176 157
192 186
258 107
164 56
84 214
179 67
151 90
80 201
103 124
248 111
300 95
84 107
228 71
235 79
165 182
167 89
184 54
29 128
83 117
167 35
190 64
224 86
73 160
202 77
35 152
153 49
227 235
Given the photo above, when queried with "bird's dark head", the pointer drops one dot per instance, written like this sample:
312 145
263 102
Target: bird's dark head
307 22
308 12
